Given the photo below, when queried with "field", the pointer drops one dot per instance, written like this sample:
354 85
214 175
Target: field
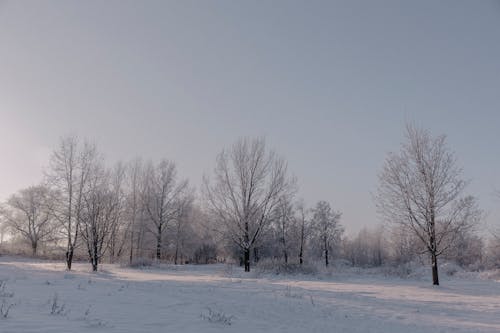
219 298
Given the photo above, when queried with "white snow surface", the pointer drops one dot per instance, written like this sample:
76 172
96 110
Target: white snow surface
220 298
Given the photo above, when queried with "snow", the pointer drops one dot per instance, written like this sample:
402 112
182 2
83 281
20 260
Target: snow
218 298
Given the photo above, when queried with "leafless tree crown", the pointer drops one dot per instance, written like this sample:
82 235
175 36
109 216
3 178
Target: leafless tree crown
247 185
421 189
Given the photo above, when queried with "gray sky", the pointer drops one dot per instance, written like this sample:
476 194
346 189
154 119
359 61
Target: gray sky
329 84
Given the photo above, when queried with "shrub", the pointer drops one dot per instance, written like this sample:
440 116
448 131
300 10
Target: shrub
217 317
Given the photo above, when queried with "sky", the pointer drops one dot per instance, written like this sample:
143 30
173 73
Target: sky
329 84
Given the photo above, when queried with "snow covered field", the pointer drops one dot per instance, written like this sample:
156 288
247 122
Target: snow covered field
219 298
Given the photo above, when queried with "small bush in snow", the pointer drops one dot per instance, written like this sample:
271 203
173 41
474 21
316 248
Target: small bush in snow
3 292
5 308
217 317
56 308
93 322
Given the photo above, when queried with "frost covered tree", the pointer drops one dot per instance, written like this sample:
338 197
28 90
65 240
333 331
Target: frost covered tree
163 199
119 226
70 165
133 211
284 225
29 214
302 228
367 248
420 189
247 185
327 229
181 229
100 208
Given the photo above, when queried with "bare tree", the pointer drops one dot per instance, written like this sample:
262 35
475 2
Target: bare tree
119 225
181 228
133 206
248 184
327 228
29 213
163 198
303 228
283 222
100 209
70 165
420 189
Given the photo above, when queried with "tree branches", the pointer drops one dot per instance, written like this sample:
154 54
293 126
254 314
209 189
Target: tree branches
420 189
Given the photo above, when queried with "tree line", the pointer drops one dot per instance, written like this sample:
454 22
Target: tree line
248 209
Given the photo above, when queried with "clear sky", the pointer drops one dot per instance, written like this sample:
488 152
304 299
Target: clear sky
330 84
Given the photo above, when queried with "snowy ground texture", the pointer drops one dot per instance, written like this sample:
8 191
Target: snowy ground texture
217 298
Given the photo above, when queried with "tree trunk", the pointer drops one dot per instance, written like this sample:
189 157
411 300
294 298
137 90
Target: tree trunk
326 257
435 277
131 254
95 257
158 244
246 251
285 254
69 251
95 262
301 251
379 257
176 253
34 248
112 249
283 240
256 257
246 259
139 253
69 258
326 251
177 241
